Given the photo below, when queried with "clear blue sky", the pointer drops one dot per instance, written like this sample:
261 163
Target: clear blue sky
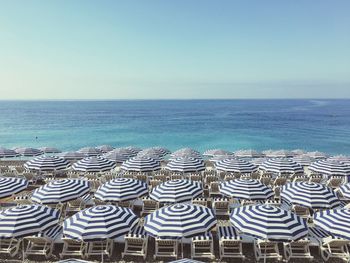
174 49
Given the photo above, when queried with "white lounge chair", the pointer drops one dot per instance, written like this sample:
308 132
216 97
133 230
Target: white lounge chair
203 246
265 249
166 248
297 249
230 242
73 248
136 243
10 246
100 248
221 206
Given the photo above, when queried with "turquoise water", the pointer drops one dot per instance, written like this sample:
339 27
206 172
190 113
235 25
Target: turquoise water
322 125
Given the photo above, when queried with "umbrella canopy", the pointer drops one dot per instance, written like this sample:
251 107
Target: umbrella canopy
186 260
162 151
141 164
317 155
330 168
154 151
121 189
298 152
105 148
248 189
180 220
215 152
282 154
235 165
311 195
269 223
176 191
26 151
100 223
345 190
258 161
7 153
72 156
248 154
60 191
90 151
335 222
132 149
151 154
338 158
281 165
118 155
47 163
186 152
49 150
12 185
303 160
186 165
94 164
26 220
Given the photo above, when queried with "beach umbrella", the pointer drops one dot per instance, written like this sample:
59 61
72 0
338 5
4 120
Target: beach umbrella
236 166
49 150
121 189
140 164
26 220
311 195
258 161
217 158
335 222
100 223
60 191
345 190
180 220
186 260
11 185
7 153
339 158
282 154
298 152
186 152
118 155
94 164
330 168
73 260
248 154
151 153
132 150
105 148
161 150
90 151
26 151
317 155
281 165
269 223
176 191
185 165
216 152
248 189
47 163
155 151
303 160
268 153
72 156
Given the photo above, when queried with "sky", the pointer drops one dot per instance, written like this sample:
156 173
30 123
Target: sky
185 49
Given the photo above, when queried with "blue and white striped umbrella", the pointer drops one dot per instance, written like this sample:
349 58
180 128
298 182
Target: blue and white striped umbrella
185 165
186 260
281 165
345 190
140 164
335 222
26 220
90 151
162 151
282 154
311 195
330 168
132 150
258 161
72 156
154 151
303 160
248 189
216 152
235 165
47 163
12 185
297 152
176 191
121 189
151 154
60 191
118 155
186 152
7 153
180 220
49 150
248 154
100 223
338 158
268 223
94 164
317 155
26 151
105 148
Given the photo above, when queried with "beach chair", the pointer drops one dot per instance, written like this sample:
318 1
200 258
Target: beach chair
160 177
265 249
142 177
74 206
335 181
176 177
153 183
300 178
279 181
149 206
209 179
100 248
214 189
196 177
203 246
229 177
200 201
221 206
329 245
265 179
315 178
302 211
42 243
297 249
230 242
94 184
10 246
136 243
255 175
166 248
73 248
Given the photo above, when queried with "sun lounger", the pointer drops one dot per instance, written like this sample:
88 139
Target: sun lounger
100 248
166 248
265 249
10 246
221 206
230 242
136 243
297 249
149 205
203 246
73 248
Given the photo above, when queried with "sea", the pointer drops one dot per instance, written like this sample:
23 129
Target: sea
317 124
